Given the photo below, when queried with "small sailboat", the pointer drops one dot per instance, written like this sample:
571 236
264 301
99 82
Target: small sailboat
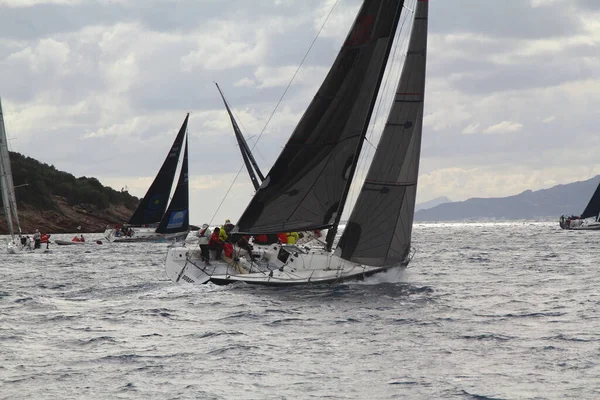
153 221
309 183
9 200
588 220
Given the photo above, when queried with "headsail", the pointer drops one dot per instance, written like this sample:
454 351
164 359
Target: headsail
307 185
177 218
379 229
7 187
593 207
247 156
154 203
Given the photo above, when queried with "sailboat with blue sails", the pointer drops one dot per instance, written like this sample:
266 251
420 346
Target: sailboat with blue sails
156 219
309 183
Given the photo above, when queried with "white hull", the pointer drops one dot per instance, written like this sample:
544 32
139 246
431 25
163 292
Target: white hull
145 235
580 225
18 248
276 266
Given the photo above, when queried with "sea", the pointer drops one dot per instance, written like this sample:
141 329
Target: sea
495 310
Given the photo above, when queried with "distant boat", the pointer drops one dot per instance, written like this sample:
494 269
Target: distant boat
584 222
153 221
61 242
309 183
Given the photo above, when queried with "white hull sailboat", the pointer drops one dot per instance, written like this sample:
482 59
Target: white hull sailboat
153 221
9 200
308 185
588 220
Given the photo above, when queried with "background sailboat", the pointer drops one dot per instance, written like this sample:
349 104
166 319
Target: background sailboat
152 221
308 185
7 188
584 221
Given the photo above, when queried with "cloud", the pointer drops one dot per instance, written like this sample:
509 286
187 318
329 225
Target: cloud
549 119
504 127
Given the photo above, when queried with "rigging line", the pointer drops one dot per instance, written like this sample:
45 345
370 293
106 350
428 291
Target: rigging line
296 72
277 105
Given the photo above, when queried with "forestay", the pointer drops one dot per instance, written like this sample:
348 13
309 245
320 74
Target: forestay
379 229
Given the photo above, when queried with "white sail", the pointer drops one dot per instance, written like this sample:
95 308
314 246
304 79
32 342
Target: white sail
9 200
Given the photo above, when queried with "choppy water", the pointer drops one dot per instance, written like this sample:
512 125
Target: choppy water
485 311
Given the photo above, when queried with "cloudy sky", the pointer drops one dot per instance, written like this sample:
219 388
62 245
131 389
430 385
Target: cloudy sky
100 88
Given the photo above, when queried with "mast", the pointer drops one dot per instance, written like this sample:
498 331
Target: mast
247 156
378 232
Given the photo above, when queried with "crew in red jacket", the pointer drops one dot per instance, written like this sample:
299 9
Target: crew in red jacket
215 243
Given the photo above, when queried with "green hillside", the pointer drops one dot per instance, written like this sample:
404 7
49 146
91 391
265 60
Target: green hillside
44 182
58 202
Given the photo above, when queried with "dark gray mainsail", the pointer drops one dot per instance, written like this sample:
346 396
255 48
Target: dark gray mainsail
176 218
593 207
307 185
379 229
152 207
249 161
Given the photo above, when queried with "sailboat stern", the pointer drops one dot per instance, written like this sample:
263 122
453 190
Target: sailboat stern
180 267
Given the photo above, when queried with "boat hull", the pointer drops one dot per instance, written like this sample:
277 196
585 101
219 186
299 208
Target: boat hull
145 235
579 225
72 243
277 266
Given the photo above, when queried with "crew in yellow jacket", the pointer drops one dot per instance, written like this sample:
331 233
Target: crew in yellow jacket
292 237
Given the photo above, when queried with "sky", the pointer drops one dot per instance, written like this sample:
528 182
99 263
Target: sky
100 88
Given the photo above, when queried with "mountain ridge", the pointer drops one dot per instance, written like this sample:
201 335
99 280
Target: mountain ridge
570 198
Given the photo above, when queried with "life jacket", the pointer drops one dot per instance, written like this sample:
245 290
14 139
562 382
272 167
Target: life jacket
292 237
228 250
261 239
282 237
223 234
45 238
214 239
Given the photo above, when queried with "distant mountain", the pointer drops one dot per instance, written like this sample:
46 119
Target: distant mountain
540 204
432 203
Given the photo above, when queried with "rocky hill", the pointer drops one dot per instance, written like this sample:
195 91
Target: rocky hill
568 199
56 202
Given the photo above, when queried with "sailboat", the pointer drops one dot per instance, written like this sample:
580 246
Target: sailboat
309 183
153 221
584 222
7 188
